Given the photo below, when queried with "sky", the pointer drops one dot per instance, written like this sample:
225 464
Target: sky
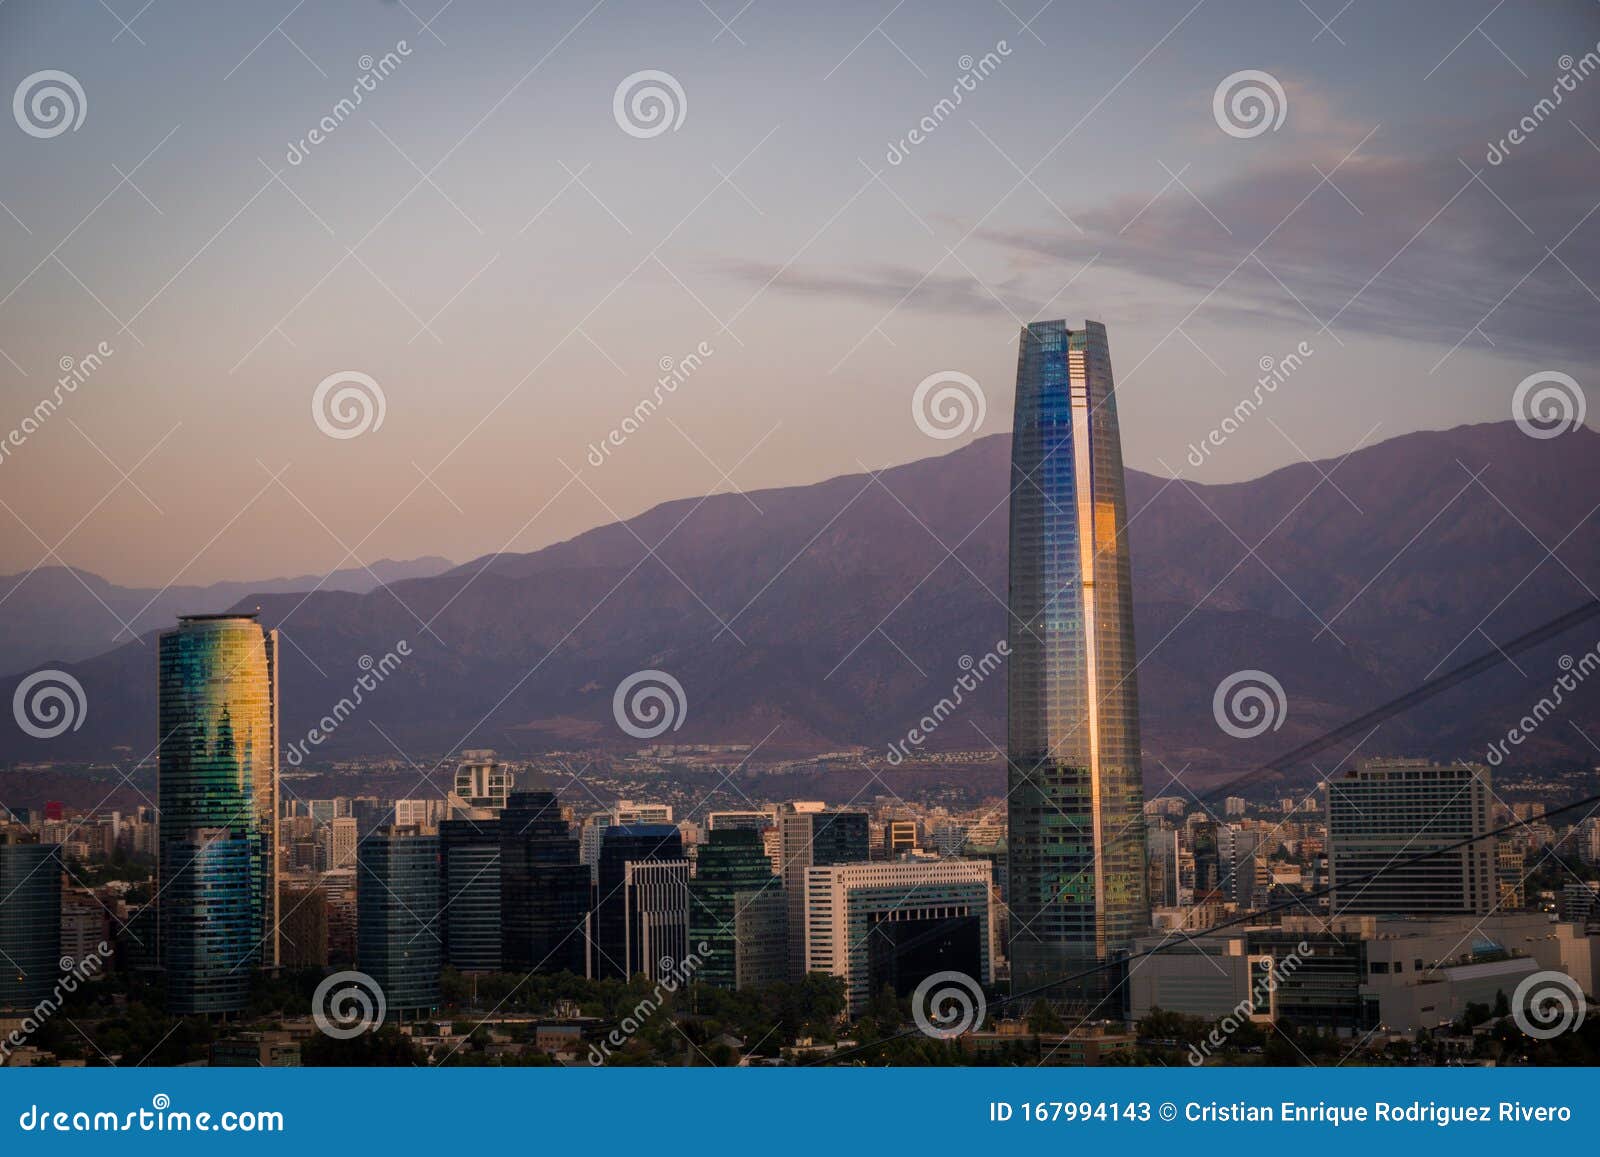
508 256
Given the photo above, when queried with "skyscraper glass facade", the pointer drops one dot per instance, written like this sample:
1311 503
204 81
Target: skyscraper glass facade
218 750
30 921
545 888
628 900
398 942
733 861
1076 841
209 922
469 863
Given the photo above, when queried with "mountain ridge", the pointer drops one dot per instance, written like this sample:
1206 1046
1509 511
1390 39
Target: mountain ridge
840 612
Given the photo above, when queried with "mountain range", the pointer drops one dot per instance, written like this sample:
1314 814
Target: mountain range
817 618
56 613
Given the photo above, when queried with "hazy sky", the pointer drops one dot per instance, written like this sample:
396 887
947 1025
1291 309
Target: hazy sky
484 240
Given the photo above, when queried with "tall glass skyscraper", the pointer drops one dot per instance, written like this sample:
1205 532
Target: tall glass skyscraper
1076 801
30 920
218 782
545 888
398 941
732 863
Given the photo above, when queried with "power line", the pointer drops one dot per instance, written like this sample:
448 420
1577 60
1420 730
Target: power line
1245 917
1364 723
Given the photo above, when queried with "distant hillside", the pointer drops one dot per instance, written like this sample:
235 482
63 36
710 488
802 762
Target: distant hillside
55 613
850 604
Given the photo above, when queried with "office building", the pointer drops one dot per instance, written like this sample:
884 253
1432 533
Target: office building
899 836
760 938
482 781
1236 855
1164 859
303 918
217 722
339 838
894 924
732 863
815 837
1076 805
642 905
30 919
469 867
545 889
398 942
1385 812
209 918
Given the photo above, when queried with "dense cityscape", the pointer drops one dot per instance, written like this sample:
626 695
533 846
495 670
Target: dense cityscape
1392 910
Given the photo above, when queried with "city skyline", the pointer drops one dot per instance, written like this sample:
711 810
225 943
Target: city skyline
1234 707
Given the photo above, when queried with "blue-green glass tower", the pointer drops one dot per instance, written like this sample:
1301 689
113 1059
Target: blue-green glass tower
218 785
1076 802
